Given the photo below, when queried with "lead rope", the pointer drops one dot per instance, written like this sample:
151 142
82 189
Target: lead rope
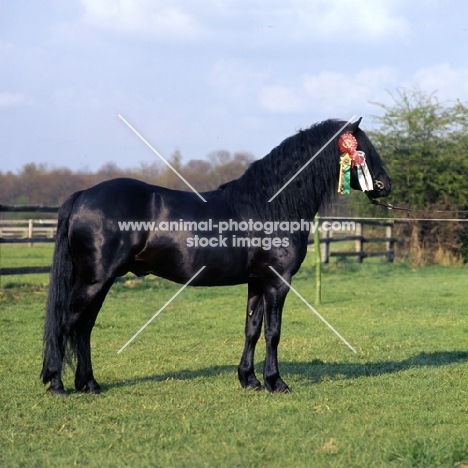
389 206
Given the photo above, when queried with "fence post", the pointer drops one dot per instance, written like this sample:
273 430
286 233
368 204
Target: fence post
390 245
30 231
360 241
326 246
318 264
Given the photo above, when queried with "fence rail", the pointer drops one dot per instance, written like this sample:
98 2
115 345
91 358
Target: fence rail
29 208
27 230
329 237
24 270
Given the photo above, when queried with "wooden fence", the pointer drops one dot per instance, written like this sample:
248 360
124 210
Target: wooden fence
27 231
352 230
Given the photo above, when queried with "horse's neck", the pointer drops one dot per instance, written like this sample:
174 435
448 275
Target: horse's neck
299 198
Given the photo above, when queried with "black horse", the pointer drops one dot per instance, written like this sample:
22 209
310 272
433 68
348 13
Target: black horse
252 232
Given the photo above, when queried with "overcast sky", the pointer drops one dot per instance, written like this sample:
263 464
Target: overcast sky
239 75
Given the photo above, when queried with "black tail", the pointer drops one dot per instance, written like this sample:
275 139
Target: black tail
58 317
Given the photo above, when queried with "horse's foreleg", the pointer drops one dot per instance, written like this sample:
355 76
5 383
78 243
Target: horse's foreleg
253 327
274 302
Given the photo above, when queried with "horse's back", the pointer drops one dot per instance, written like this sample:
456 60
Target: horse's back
116 197
113 229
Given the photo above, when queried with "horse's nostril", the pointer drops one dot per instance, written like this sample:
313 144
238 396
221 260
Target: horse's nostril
379 185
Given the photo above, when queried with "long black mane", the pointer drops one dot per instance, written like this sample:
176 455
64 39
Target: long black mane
314 187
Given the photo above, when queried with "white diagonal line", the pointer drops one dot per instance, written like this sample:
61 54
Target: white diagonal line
314 311
161 309
160 157
310 160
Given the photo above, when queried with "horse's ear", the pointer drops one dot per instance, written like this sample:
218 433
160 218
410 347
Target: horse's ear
355 125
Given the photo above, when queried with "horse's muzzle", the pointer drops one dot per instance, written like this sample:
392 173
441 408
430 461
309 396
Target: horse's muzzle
380 189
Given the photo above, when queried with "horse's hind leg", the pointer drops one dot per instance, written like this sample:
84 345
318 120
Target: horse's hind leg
253 328
86 304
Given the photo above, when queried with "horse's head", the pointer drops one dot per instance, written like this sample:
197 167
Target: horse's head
377 183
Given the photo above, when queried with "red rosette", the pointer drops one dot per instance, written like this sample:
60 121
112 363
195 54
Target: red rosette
347 143
358 158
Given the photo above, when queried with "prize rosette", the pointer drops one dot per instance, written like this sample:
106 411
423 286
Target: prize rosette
351 158
347 143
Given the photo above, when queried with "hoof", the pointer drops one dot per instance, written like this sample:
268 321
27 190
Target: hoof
93 391
92 388
255 387
57 391
276 385
285 389
250 382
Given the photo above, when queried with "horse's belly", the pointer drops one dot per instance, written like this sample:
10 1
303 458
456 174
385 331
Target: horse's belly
213 266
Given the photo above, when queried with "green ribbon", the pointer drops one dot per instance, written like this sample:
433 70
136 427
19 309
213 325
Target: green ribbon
344 181
347 180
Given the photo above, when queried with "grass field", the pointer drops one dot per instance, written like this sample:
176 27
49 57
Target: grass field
172 397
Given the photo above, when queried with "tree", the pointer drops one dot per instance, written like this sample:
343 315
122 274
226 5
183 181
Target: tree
425 145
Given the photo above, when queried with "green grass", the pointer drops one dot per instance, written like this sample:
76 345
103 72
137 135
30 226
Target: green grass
39 254
20 255
172 397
